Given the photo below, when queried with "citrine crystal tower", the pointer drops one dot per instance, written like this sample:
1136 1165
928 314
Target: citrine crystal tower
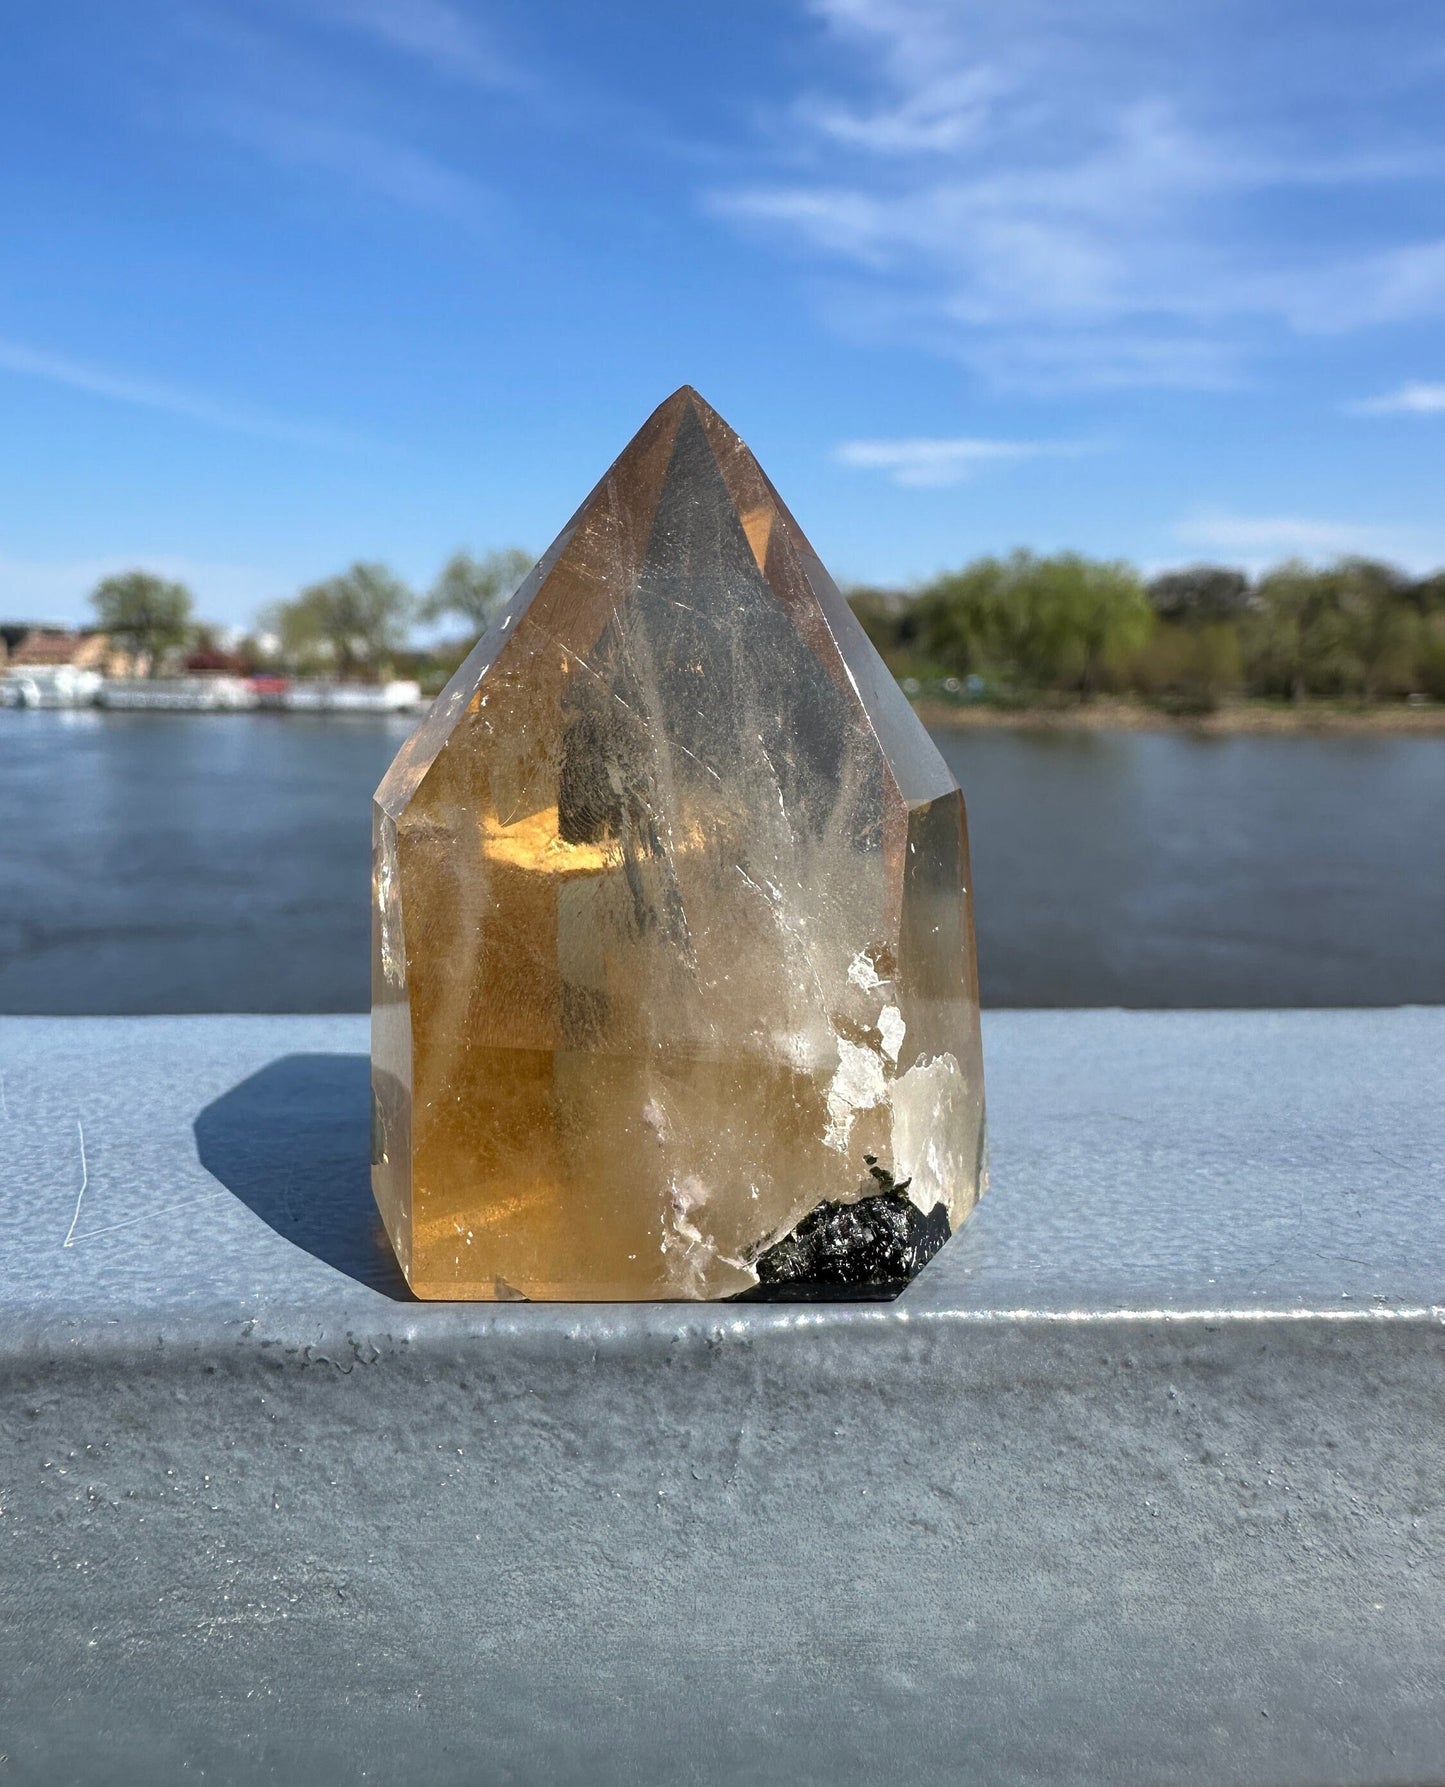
673 976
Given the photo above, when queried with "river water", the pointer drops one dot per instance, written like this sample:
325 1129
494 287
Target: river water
180 863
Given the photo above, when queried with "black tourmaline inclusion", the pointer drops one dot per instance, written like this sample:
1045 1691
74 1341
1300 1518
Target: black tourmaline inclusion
857 1252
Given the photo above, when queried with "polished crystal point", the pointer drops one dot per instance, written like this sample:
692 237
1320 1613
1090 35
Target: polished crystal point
673 975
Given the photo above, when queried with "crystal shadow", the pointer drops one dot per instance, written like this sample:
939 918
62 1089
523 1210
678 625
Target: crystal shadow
292 1142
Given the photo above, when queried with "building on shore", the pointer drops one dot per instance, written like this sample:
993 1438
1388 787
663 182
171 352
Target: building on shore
44 666
47 666
51 667
41 647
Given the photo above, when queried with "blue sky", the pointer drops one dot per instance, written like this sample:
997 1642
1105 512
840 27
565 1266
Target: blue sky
285 283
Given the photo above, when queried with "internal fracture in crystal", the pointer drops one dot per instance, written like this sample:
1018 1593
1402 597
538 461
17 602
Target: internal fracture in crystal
674 992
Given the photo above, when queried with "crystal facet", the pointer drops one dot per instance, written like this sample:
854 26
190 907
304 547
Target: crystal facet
674 992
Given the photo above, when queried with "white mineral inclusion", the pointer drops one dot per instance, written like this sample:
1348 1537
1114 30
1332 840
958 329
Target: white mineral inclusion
862 973
930 1105
891 1028
688 1194
683 1237
857 1085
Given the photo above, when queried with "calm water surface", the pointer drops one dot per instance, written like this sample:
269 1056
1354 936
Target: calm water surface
153 863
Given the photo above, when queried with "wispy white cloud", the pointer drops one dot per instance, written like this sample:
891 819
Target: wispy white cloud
1114 358
849 224
1258 541
442 36
1049 192
1409 400
929 464
931 116
1342 294
396 171
119 387
1280 535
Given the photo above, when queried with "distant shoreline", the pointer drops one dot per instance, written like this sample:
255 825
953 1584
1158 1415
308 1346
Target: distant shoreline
1108 714
1311 719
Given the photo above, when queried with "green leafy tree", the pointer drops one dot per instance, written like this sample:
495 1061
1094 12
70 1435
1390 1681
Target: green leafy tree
146 614
956 619
1201 595
1425 595
1195 665
350 624
1381 630
1216 664
1349 628
476 588
1299 641
1036 635
1101 604
1042 622
1430 657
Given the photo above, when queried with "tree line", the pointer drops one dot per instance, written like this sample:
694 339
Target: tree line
1011 628
1065 625
356 625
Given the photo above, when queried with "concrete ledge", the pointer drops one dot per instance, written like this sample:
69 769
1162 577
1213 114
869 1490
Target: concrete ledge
1140 1482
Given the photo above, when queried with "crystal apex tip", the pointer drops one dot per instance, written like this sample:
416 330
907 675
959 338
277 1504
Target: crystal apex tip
684 397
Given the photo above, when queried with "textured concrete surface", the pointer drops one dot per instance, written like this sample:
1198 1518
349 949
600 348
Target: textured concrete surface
1140 1482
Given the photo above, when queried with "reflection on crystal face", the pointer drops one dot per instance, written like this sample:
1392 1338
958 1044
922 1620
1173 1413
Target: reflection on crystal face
673 943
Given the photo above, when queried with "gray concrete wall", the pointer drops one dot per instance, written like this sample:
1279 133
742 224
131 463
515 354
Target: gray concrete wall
1140 1482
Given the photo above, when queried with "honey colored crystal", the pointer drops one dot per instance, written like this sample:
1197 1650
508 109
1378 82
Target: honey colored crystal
673 977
